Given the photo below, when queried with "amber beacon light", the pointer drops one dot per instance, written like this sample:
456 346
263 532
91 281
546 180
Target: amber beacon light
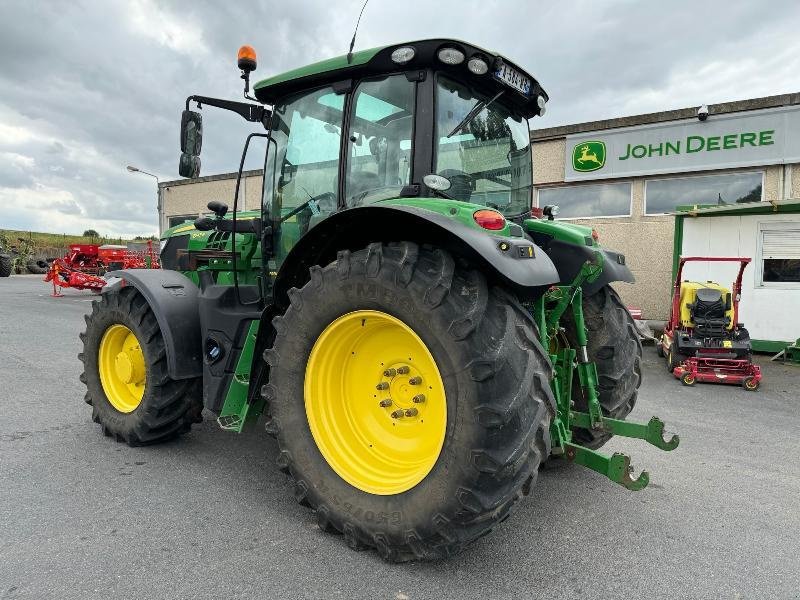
246 59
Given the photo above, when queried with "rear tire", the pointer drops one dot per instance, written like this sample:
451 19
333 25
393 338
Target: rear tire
615 348
497 394
5 265
168 407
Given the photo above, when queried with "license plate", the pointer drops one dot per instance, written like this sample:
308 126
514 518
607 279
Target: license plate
511 77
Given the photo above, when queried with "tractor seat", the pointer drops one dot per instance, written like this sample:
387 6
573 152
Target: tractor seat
708 312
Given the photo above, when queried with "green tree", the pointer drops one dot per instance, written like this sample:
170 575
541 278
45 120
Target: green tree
91 233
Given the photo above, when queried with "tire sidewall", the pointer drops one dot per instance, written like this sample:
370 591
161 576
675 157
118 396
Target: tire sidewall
114 420
409 510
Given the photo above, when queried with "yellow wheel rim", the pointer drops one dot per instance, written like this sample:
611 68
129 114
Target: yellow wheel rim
375 402
122 368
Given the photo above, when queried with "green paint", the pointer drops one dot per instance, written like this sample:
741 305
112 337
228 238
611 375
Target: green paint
792 352
691 145
770 346
547 311
677 247
616 467
588 156
237 411
332 64
454 209
754 208
560 230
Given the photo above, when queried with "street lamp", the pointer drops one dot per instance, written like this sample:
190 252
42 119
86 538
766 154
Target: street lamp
132 169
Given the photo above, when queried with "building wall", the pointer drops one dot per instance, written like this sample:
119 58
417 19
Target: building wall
187 197
768 313
646 241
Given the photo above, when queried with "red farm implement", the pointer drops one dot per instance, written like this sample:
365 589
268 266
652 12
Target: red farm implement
83 266
703 339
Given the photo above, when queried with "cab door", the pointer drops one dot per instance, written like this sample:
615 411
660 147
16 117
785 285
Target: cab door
302 172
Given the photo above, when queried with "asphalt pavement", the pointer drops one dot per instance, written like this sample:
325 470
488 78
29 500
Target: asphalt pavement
210 516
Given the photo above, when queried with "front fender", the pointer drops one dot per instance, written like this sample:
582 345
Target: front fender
569 258
174 300
521 265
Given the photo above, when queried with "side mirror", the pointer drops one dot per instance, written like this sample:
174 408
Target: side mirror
189 166
191 143
191 132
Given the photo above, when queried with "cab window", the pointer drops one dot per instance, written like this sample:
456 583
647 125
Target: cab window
302 166
379 140
487 158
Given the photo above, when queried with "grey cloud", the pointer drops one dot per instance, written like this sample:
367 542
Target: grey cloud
99 93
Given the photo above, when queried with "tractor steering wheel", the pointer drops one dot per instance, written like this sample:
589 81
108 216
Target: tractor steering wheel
315 199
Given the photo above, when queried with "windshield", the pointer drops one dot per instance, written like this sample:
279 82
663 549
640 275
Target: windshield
488 159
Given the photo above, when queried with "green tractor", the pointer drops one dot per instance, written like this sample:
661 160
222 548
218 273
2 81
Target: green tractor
418 344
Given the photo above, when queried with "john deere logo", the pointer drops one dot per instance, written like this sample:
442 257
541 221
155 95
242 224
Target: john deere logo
588 156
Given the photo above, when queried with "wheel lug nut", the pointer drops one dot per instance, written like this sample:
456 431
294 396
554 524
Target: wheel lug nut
411 412
415 380
397 414
402 370
390 372
418 398
383 385
386 402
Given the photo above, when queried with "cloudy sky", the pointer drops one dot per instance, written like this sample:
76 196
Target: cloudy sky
88 87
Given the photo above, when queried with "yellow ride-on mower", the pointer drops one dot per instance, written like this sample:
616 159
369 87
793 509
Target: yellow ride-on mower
703 339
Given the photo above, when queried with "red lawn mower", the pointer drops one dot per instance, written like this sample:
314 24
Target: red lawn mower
703 339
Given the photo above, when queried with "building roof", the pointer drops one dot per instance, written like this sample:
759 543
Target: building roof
206 178
749 208
667 115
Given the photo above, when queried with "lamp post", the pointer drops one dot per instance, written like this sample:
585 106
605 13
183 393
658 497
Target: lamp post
132 169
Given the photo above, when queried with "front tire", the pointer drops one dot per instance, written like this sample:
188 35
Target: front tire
493 408
128 387
615 348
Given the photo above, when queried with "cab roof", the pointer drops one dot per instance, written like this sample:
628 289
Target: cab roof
377 61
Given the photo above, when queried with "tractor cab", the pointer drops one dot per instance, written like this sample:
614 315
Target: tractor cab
428 119
436 118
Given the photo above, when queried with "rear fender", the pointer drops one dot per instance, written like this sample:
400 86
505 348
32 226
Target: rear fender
522 265
174 300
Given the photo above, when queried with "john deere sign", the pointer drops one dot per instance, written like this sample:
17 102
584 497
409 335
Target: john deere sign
762 137
588 156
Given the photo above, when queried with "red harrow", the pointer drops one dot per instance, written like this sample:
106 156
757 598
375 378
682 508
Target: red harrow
83 265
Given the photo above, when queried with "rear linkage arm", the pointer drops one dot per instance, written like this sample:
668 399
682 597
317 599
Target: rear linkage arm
548 311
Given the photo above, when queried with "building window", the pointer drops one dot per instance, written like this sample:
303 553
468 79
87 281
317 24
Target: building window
663 196
178 219
588 201
779 254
